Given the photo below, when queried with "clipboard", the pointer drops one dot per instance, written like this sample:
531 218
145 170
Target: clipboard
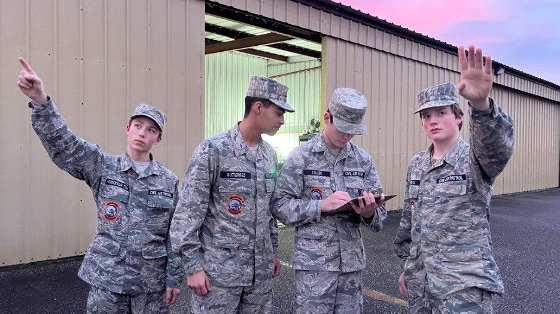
348 207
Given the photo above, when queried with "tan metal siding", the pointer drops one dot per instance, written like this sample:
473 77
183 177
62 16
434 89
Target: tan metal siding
98 60
227 78
304 81
394 134
301 15
536 162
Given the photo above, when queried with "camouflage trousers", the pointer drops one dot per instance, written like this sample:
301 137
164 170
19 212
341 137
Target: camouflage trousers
255 299
420 301
101 301
324 292
467 301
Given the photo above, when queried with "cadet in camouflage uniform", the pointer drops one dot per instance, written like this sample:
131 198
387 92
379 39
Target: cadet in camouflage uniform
318 177
443 240
129 264
223 226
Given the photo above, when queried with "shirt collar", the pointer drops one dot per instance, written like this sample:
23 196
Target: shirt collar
126 164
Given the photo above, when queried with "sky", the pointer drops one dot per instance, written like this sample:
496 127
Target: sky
523 34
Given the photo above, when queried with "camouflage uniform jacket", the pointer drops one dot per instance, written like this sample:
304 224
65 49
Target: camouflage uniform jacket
445 218
223 223
326 242
129 253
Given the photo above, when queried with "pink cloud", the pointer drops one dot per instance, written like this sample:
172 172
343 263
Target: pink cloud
425 16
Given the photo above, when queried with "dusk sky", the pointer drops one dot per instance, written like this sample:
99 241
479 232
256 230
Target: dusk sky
522 34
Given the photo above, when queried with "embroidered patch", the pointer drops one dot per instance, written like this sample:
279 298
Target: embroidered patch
414 182
117 184
354 174
235 175
317 173
160 193
111 211
235 205
316 194
453 178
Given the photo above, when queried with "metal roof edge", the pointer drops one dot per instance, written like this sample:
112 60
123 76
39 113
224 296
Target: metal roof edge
378 23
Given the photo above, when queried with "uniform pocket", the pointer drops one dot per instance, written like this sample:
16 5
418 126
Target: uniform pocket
232 242
228 259
460 254
159 200
154 251
105 246
317 188
270 185
114 189
354 186
157 215
452 185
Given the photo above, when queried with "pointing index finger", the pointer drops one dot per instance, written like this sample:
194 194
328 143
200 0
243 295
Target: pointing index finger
25 65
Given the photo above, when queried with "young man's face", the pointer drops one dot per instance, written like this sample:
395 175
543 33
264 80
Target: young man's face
142 134
333 136
441 124
272 119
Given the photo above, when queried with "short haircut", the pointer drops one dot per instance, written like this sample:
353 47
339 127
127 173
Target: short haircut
456 111
157 126
330 115
249 101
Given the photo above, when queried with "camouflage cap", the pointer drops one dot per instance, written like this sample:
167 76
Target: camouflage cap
267 88
151 112
438 96
348 107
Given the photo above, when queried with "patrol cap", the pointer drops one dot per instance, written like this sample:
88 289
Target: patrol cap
438 96
267 88
348 107
151 112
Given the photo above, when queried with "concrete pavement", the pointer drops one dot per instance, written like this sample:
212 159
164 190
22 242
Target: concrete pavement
525 228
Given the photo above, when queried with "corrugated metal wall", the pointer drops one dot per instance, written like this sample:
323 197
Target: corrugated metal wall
98 60
304 80
394 134
390 70
536 162
227 79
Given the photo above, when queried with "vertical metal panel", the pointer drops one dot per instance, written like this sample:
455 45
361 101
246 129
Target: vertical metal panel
335 26
536 162
227 78
98 60
304 82
394 134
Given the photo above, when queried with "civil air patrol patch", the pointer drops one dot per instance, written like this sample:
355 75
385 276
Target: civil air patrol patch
316 194
111 211
453 178
235 204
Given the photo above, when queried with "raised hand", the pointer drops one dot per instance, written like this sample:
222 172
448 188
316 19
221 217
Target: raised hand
30 84
476 77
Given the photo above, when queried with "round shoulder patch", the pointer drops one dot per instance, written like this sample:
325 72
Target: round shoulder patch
316 194
111 210
235 204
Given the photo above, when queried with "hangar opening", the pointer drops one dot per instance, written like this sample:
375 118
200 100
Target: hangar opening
240 45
